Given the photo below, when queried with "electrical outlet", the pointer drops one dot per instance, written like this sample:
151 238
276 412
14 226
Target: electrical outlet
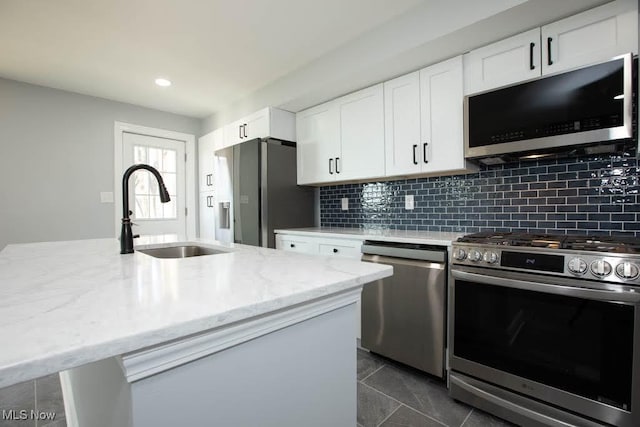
345 203
408 202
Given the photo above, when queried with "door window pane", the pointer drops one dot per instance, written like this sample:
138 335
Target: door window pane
145 187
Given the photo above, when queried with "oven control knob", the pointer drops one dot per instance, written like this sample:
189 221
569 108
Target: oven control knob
626 270
460 254
474 255
577 266
490 257
600 268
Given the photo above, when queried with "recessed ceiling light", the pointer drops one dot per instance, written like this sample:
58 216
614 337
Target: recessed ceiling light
163 82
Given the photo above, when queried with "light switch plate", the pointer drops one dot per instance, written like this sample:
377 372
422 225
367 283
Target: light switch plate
408 202
345 203
106 197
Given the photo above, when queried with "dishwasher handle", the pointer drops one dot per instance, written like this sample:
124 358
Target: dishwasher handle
433 255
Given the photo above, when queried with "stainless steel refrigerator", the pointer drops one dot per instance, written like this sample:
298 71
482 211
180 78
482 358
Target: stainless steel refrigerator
255 182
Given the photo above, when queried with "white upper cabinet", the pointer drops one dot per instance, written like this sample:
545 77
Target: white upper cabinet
318 140
342 139
441 105
269 121
402 125
593 36
361 116
499 64
207 145
423 121
207 218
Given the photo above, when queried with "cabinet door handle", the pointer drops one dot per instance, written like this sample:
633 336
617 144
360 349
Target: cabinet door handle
337 170
330 167
240 131
209 201
549 61
335 251
292 245
531 46
424 152
415 162
244 130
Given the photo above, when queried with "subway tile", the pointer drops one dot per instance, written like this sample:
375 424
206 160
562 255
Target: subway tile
538 185
557 168
599 193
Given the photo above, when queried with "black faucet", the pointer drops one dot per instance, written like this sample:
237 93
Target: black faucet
126 235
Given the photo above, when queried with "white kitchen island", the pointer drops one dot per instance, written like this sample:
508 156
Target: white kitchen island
249 337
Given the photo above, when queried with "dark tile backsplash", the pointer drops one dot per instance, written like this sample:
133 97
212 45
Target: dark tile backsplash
579 195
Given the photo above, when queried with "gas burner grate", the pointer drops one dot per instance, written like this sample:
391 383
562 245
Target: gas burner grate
514 239
603 244
613 244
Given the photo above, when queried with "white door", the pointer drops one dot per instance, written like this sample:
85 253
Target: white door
318 136
505 62
592 36
361 134
150 216
442 109
402 125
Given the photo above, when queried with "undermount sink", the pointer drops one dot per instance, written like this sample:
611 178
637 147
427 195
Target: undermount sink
183 251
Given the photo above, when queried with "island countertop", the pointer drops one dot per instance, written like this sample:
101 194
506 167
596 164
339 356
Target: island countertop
65 304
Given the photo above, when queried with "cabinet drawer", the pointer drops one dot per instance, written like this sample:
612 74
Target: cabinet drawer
344 249
295 245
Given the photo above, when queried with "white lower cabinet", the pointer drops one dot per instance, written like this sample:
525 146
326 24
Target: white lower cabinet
294 244
345 248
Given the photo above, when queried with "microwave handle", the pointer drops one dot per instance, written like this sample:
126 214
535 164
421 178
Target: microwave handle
586 293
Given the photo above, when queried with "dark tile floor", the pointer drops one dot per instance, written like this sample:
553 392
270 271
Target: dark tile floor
43 396
389 395
394 395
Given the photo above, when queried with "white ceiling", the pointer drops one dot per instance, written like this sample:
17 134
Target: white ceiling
214 51
229 57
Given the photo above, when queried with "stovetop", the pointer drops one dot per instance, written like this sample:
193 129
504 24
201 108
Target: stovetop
599 258
614 244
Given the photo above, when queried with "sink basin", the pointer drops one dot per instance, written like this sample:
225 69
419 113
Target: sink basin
184 251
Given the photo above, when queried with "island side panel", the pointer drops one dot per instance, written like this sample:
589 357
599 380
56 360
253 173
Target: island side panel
97 395
304 374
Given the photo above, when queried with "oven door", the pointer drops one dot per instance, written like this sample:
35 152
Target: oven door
555 339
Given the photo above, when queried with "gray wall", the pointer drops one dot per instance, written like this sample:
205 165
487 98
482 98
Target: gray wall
56 156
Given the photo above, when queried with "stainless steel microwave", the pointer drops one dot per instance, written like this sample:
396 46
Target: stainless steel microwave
584 106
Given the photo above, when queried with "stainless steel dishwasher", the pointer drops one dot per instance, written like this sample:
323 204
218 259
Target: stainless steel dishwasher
403 316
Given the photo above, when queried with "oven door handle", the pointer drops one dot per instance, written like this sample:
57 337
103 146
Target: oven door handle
593 294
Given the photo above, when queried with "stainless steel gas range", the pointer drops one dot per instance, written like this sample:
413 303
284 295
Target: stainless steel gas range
545 330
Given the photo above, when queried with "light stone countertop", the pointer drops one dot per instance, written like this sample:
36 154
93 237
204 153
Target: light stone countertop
65 304
400 236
